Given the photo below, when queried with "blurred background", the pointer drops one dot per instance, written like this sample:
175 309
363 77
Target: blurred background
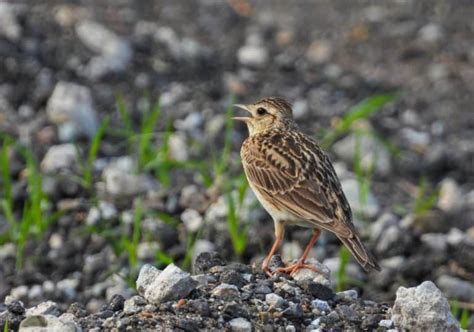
117 147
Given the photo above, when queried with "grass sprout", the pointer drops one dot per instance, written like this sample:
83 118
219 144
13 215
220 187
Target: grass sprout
360 111
424 200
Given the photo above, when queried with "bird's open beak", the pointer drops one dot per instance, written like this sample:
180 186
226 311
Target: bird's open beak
242 118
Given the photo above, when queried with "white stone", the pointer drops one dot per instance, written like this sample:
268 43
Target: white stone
115 52
226 291
240 325
71 104
44 308
371 152
450 196
49 323
58 157
387 323
423 308
253 56
274 300
178 147
171 284
322 277
147 274
192 220
322 306
351 189
9 25
431 33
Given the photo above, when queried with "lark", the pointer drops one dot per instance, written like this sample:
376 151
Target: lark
295 182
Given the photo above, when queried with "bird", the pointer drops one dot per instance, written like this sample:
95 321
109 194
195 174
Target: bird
295 181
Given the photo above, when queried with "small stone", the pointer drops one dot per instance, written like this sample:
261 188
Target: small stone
147 274
455 237
233 278
58 157
450 196
178 147
348 295
71 105
240 325
15 307
169 285
316 290
423 308
431 33
48 323
435 241
300 108
274 300
206 261
192 220
347 313
262 288
372 152
417 140
77 310
456 288
45 308
10 26
115 53
294 310
253 56
117 303
121 183
68 287
201 307
323 276
319 51
387 323
134 305
322 306
226 291
290 251
369 207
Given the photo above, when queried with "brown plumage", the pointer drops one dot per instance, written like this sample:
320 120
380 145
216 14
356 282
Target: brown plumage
295 181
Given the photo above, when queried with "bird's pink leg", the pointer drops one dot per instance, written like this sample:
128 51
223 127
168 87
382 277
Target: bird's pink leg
279 233
293 268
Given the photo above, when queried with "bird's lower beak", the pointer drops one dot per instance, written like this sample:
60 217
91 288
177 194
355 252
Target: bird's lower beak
242 118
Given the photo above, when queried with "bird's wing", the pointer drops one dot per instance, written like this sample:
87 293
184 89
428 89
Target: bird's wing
298 177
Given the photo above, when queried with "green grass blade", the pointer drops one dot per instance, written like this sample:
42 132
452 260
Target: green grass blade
5 169
344 256
93 152
360 111
145 153
125 116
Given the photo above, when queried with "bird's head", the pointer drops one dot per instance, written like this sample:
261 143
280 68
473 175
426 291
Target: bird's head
266 114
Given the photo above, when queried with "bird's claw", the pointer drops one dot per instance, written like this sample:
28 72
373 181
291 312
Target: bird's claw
293 268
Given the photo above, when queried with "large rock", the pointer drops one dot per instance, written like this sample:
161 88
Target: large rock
72 108
423 308
170 285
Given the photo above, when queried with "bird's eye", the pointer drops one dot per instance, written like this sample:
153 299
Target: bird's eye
261 111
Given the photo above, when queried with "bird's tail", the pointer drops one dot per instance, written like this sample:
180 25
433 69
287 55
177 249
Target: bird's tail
363 256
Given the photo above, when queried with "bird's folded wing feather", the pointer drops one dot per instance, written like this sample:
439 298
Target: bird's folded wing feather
291 176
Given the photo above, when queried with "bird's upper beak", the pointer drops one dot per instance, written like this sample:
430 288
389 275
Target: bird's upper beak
242 118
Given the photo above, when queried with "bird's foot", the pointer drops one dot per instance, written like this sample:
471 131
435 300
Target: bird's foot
293 268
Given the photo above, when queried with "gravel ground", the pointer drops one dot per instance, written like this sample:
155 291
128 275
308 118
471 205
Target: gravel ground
62 66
